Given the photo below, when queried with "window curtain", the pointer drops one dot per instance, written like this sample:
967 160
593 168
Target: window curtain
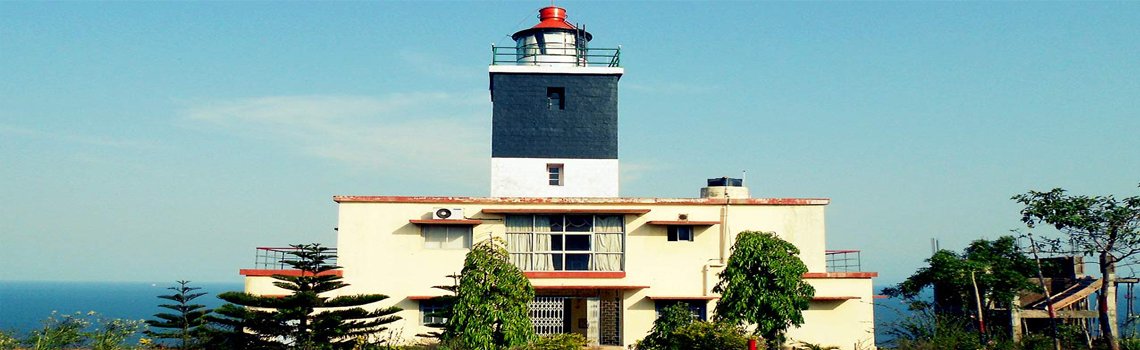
519 229
542 261
608 240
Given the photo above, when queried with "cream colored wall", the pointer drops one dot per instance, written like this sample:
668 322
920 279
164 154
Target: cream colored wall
382 252
848 324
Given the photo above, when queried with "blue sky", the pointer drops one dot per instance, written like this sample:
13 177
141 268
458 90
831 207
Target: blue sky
155 141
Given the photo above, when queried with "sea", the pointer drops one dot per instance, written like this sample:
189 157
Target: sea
24 304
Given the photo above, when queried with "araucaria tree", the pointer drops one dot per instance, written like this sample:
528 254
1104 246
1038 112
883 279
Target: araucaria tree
1100 225
305 319
491 308
763 286
187 322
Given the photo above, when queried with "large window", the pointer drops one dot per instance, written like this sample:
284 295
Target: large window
447 237
566 242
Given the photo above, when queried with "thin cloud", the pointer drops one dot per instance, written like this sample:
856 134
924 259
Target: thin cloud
671 87
410 130
436 65
66 137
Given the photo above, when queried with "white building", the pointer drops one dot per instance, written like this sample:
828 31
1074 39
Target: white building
601 264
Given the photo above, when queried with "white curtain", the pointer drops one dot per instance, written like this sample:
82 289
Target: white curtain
519 229
542 262
609 240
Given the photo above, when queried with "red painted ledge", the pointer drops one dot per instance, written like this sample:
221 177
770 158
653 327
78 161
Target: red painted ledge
575 274
566 211
683 298
592 287
423 297
684 222
446 222
834 298
841 274
259 272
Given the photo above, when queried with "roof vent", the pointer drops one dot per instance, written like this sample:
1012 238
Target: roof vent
725 188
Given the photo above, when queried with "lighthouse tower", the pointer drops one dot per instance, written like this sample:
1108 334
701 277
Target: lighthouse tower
555 123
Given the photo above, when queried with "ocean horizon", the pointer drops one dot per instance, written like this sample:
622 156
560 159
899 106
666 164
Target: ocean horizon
24 303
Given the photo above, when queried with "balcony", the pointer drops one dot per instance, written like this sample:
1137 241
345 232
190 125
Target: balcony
555 56
844 261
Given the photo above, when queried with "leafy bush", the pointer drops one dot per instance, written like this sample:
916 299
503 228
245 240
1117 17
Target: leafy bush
711 336
8 340
676 329
70 331
671 320
112 333
64 331
556 342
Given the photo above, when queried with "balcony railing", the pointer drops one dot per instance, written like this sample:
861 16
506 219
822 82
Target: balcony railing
274 258
844 261
556 56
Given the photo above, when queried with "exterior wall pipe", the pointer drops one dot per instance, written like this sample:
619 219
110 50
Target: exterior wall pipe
707 270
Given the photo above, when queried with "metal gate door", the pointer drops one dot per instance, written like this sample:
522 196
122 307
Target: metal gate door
592 317
548 314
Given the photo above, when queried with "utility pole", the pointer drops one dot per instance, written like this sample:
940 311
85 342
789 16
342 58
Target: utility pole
1048 296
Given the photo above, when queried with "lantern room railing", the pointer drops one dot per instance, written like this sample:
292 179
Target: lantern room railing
274 258
558 56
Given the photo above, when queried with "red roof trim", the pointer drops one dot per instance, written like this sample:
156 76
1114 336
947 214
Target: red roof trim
446 222
574 274
879 296
685 222
591 287
833 298
841 274
575 210
423 297
259 272
580 200
683 298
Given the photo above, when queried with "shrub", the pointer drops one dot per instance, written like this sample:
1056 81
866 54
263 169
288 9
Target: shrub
556 342
672 319
711 336
112 333
8 340
65 331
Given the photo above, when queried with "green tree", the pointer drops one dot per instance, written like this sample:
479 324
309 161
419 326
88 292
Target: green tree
188 321
302 320
491 309
672 319
763 285
999 268
1100 226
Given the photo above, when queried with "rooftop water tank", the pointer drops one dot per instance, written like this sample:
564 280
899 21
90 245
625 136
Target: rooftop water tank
725 188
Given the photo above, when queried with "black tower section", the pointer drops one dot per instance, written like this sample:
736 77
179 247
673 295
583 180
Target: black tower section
540 115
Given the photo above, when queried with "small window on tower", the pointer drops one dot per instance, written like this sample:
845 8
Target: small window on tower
556 174
556 98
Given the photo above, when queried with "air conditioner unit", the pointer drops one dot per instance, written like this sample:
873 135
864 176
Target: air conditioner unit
447 213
